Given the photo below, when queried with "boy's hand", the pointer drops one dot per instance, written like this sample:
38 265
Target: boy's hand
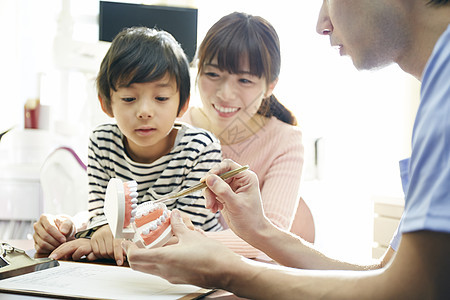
74 250
104 245
51 231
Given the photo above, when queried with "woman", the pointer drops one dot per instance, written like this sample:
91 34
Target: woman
238 67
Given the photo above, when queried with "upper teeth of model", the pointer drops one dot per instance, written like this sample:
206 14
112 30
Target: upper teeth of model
146 208
132 186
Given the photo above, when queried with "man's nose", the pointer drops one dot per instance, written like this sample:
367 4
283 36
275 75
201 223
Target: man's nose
324 25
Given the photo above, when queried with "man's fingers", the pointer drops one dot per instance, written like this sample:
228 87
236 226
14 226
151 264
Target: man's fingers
128 247
140 259
118 252
210 199
225 166
177 223
219 187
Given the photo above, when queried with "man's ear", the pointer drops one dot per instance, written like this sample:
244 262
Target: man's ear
184 108
104 107
270 88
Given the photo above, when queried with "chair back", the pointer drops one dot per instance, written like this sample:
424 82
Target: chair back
64 183
303 224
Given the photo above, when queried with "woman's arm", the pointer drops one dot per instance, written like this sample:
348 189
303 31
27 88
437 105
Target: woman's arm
280 185
234 243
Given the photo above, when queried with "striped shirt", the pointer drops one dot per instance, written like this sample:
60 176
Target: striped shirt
194 152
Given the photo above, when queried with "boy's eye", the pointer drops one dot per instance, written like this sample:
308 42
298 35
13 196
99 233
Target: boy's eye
128 99
161 98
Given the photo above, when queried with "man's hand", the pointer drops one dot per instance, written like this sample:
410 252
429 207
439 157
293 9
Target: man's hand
238 199
195 259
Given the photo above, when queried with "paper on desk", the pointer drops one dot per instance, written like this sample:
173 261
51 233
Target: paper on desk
97 281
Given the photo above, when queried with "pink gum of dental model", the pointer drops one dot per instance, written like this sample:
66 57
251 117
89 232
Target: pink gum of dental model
147 224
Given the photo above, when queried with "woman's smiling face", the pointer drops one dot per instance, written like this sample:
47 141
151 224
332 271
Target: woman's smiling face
230 97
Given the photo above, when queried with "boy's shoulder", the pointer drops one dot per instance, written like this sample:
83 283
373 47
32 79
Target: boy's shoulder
106 128
106 131
189 133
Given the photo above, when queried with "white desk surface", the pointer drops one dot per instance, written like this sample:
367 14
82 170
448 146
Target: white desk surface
27 245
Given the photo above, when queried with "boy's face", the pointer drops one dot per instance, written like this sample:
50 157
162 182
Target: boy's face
145 113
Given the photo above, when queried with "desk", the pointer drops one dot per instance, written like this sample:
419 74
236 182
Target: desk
27 245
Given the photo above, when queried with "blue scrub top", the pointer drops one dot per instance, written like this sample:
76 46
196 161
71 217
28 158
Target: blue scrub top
426 175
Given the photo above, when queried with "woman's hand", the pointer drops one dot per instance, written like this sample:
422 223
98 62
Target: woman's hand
195 259
51 231
238 199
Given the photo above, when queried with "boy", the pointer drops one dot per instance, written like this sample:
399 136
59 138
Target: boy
144 84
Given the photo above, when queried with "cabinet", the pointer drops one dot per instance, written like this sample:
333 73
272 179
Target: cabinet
387 214
22 152
21 200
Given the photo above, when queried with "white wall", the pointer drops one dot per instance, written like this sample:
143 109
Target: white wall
363 117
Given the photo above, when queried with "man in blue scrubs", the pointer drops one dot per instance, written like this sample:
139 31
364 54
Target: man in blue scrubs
415 34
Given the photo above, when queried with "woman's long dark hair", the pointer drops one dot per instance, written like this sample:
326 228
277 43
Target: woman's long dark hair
239 34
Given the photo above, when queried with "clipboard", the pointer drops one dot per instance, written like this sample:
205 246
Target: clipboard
81 280
14 262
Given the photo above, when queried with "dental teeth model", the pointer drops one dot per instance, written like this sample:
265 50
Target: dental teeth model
147 224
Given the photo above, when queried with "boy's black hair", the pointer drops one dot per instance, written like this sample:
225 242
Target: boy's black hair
141 54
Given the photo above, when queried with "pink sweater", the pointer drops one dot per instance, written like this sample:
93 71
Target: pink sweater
275 154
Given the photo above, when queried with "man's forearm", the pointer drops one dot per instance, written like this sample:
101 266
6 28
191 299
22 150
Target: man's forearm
419 270
292 251
256 280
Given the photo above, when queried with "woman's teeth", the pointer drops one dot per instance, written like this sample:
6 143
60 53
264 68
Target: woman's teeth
226 110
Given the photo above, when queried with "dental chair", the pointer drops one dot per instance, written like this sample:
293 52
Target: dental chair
64 183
